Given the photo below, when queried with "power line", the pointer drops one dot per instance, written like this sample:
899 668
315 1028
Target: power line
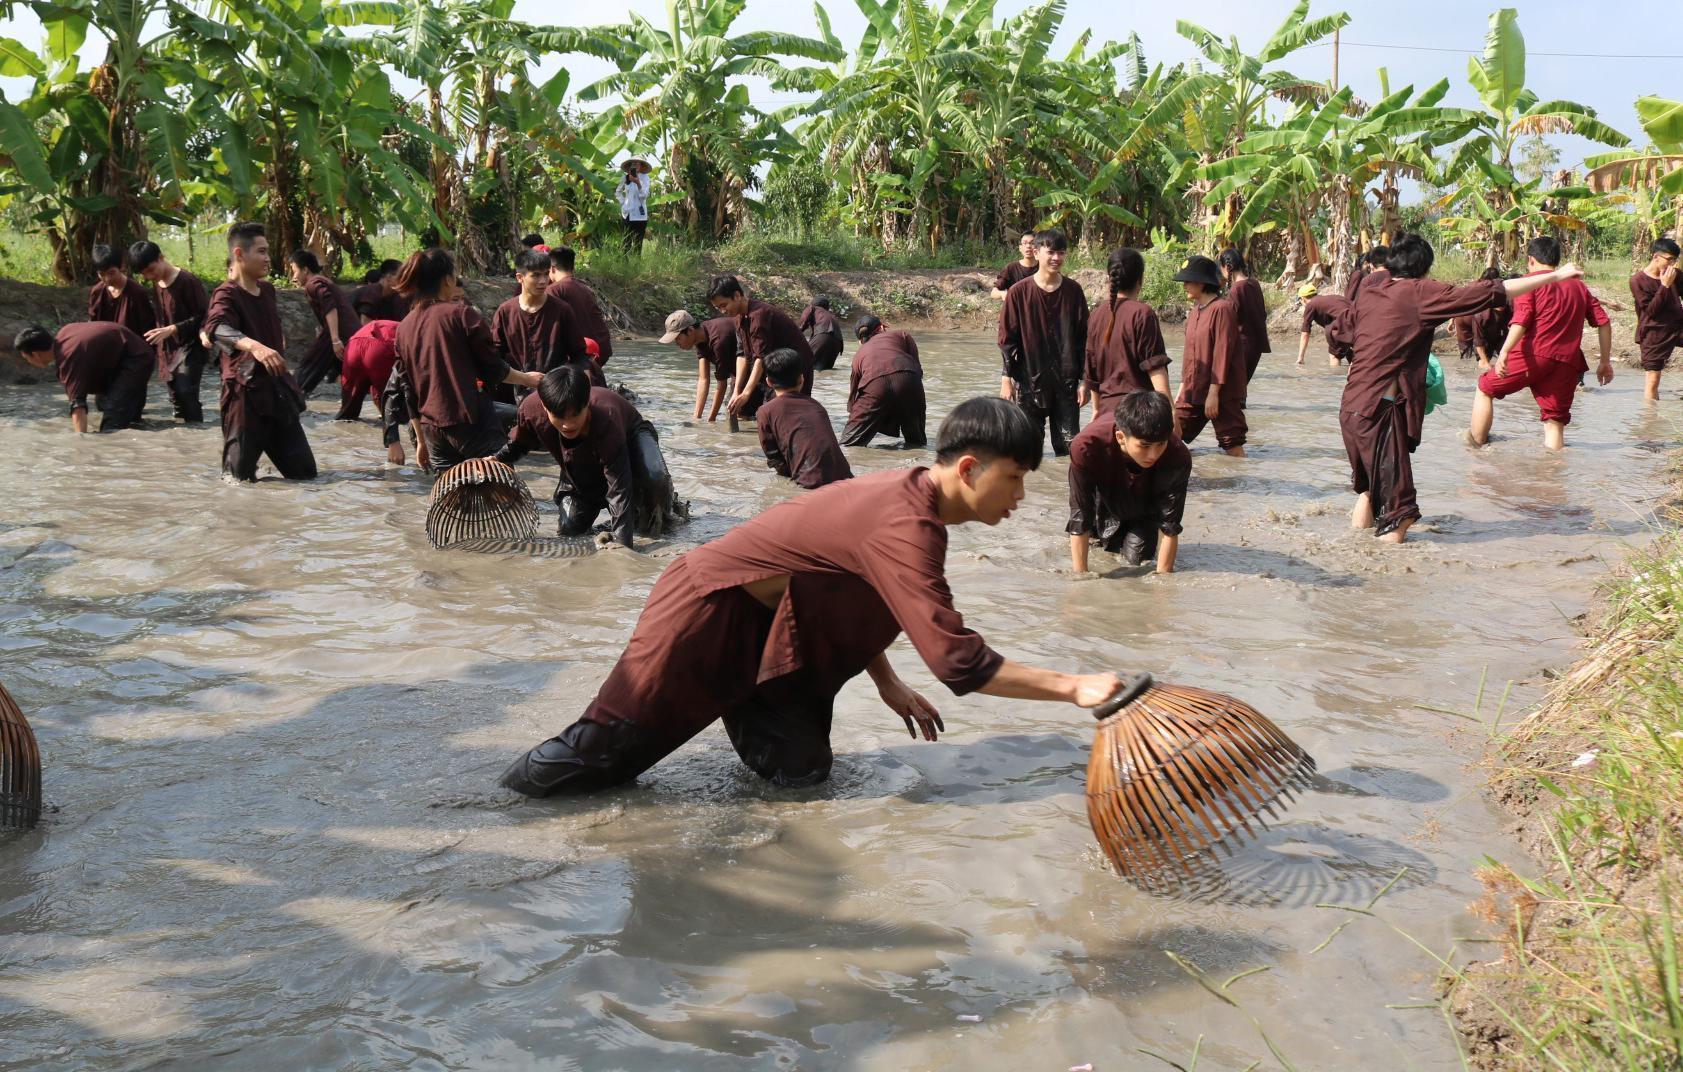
1528 52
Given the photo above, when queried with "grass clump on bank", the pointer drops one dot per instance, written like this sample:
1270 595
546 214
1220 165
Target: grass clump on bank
1590 974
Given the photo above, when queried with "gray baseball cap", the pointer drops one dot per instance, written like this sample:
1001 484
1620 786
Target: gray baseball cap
679 322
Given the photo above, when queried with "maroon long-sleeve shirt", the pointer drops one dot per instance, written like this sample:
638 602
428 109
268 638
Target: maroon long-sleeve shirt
596 466
718 346
799 442
183 304
529 341
325 297
587 314
1246 295
883 354
445 348
132 307
1043 335
1103 479
1214 354
1659 311
89 355
1124 347
1333 313
765 328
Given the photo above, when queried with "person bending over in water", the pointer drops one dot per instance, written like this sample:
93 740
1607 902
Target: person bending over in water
95 358
885 388
1331 312
714 343
1127 484
609 455
1384 402
795 432
762 627
823 332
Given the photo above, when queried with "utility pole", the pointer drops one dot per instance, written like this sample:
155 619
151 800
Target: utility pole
1335 61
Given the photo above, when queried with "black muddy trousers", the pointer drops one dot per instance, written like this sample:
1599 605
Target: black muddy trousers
1054 403
826 347
124 398
261 418
651 492
184 386
782 733
454 444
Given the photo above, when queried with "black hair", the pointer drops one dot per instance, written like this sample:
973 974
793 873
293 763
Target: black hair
1234 261
532 260
1145 415
564 390
783 369
1492 272
1665 245
242 235
1544 249
1052 239
105 258
1410 258
533 239
821 302
390 267
1378 256
988 427
424 273
563 257
373 275
304 259
33 339
1126 271
723 286
868 325
144 254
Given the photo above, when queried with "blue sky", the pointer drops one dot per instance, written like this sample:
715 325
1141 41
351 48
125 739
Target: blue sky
1408 30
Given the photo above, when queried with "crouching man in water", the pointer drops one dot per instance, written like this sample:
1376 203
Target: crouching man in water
762 627
609 455
97 358
1127 484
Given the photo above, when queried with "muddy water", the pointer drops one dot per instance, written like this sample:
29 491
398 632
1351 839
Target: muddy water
273 718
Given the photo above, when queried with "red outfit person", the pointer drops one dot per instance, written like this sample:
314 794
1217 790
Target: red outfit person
1549 357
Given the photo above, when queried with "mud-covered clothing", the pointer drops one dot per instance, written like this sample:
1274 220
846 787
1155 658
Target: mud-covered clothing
1252 308
259 409
587 314
1043 343
106 360
1213 360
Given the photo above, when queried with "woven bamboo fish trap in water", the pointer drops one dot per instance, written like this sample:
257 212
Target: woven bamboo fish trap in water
20 768
1177 772
480 499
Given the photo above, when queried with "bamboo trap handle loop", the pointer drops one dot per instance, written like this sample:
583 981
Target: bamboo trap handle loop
1132 690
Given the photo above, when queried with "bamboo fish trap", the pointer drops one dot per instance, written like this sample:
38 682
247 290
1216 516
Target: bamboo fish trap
20 768
480 499
1178 771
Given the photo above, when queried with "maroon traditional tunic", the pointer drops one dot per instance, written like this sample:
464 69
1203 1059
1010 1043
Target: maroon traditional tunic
799 443
541 340
373 302
325 297
587 314
1333 313
447 353
1214 360
132 307
865 558
183 304
1124 347
1043 335
1357 279
90 355
1659 319
1011 273
257 317
765 328
1109 490
597 466
718 346
1246 296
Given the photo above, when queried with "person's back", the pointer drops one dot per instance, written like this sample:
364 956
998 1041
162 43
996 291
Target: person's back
1554 319
799 442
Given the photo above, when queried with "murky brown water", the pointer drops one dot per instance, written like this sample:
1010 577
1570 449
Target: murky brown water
273 718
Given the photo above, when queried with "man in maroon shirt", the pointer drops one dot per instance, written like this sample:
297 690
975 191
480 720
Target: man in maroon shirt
1659 313
1024 266
95 358
885 388
1043 340
823 333
377 298
762 329
1125 349
795 431
609 456
117 298
535 331
1127 484
260 400
762 627
1331 312
587 310
1384 402
336 320
181 301
1246 295
715 345
1212 379
1373 262
1544 350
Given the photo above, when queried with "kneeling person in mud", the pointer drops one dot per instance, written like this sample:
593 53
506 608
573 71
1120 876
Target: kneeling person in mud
97 358
795 432
1127 484
609 456
762 627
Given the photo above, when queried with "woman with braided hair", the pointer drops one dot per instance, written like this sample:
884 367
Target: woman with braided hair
1125 351
1246 295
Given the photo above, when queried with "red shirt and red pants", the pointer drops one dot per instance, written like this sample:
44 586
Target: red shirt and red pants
1549 357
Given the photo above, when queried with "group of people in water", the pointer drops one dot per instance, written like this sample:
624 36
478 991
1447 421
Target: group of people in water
762 627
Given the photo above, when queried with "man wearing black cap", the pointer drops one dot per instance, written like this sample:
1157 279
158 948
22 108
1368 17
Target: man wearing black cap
1213 375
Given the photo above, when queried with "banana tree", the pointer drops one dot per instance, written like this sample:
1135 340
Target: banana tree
1483 165
1499 229
1651 174
1090 203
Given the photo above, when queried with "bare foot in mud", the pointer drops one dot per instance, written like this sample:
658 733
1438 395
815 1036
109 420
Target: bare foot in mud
1362 516
1235 452
1398 534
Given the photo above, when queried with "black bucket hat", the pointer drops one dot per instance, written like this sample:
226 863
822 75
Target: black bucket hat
1199 270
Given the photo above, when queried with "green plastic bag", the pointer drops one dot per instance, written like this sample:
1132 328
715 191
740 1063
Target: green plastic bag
1436 393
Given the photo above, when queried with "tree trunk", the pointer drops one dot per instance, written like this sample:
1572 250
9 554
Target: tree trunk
1340 239
1390 213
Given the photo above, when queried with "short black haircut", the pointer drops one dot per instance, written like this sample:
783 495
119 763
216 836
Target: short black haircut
304 259
783 369
1665 245
533 239
1126 270
242 235
373 275
144 254
723 286
1145 415
1052 239
1544 249
105 258
33 340
1410 258
821 302
563 257
868 325
532 260
390 266
1492 272
1378 255
564 390
1234 261
988 427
